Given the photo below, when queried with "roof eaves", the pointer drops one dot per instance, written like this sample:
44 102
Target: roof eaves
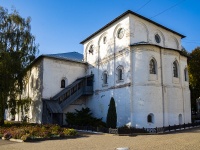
133 13
60 58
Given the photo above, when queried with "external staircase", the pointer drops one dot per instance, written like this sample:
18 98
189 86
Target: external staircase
53 108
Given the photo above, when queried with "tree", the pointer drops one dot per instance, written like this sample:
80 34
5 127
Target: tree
83 117
17 51
185 52
111 120
194 75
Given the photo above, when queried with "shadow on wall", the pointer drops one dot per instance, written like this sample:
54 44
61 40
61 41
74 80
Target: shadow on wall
36 106
116 86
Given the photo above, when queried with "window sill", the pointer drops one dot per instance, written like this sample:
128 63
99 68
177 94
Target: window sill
153 77
104 85
119 81
175 80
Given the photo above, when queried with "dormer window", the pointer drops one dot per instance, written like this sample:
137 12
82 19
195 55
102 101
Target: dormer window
91 49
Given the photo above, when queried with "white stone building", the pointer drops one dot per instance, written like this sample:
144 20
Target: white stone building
133 59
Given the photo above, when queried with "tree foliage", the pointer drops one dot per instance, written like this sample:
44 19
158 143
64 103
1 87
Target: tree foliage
194 75
111 120
17 51
83 117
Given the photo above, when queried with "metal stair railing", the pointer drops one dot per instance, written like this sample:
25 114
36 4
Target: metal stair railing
65 90
72 98
74 91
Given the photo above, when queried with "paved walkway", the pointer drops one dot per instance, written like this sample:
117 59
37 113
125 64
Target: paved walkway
186 140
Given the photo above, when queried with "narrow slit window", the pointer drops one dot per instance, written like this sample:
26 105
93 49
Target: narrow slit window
175 69
152 66
105 78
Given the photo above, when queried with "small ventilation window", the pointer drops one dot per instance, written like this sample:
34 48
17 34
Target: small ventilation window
157 38
150 118
91 49
120 33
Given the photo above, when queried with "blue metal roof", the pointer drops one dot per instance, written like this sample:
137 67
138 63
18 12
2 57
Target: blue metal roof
75 56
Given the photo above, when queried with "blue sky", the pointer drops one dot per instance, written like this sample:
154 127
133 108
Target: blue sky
60 25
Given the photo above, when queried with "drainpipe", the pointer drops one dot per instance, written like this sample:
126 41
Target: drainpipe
131 88
114 64
98 61
163 100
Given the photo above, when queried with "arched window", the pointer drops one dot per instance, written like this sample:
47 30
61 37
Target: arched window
62 83
150 118
120 73
105 77
186 74
175 69
152 66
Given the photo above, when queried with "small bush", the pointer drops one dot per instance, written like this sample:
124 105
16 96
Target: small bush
70 132
25 132
26 137
84 117
55 130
